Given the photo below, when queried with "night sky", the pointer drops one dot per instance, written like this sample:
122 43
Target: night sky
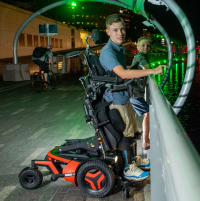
171 23
168 20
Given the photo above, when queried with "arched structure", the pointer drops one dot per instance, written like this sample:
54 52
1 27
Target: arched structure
178 49
137 6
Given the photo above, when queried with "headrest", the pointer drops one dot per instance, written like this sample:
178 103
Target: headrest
99 37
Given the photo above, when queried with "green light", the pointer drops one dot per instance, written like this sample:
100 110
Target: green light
158 62
73 4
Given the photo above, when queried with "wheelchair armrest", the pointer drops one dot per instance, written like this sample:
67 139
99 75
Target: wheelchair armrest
122 87
119 88
106 79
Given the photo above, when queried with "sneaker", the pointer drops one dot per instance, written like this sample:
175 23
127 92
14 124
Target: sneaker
142 163
134 173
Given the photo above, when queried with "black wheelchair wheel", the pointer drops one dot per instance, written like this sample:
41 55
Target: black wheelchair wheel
27 168
30 178
95 178
52 79
37 82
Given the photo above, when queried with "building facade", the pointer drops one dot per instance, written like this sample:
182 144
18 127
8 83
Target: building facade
11 18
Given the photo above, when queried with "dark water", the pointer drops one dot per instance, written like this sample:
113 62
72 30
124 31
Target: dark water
189 115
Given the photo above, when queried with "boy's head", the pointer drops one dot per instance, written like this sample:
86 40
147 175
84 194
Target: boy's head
115 28
144 44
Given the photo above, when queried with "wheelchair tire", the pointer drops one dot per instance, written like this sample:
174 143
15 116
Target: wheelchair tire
27 168
37 82
95 178
30 178
52 79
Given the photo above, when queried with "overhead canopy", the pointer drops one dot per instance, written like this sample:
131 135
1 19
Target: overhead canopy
137 6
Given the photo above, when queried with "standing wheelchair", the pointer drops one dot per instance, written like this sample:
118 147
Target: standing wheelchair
95 164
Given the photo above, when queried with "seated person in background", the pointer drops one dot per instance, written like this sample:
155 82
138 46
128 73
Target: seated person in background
112 59
141 61
42 58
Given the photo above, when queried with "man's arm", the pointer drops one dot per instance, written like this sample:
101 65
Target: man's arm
129 74
50 56
51 62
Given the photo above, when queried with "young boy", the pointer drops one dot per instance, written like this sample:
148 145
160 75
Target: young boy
141 61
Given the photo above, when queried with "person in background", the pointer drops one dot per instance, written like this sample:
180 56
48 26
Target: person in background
44 60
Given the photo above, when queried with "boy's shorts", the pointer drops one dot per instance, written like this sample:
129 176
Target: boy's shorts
127 113
139 105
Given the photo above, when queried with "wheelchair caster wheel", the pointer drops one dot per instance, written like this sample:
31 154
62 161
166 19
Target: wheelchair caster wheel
126 193
30 178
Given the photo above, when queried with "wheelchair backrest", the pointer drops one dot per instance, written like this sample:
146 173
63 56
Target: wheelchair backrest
99 37
96 66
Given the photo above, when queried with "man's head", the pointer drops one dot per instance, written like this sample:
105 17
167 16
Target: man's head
49 47
144 44
115 28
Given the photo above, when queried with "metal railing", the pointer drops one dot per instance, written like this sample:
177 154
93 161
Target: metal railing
175 163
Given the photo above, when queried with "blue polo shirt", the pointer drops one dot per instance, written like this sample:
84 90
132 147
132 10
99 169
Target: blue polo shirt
111 56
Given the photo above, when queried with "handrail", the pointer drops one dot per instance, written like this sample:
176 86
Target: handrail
175 163
169 48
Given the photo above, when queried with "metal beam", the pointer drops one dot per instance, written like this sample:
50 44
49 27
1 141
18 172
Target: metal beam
191 57
39 12
169 47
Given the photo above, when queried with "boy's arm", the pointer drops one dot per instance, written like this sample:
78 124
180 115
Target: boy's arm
146 66
129 74
144 62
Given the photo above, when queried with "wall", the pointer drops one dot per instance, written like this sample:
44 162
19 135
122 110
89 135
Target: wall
11 19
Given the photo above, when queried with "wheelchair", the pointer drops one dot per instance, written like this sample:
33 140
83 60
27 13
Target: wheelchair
95 164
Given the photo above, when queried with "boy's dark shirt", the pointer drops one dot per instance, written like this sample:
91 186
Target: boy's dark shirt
139 61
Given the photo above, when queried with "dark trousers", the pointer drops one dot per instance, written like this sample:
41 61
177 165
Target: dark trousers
42 64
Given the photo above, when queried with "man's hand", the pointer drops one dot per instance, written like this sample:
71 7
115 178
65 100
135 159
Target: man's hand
159 69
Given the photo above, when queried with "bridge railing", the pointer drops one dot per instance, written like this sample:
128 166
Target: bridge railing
175 163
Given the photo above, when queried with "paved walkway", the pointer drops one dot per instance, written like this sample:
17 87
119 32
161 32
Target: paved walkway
33 123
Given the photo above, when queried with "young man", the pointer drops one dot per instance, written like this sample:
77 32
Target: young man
139 104
112 59
42 62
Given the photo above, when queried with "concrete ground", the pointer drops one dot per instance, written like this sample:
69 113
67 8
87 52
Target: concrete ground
33 123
